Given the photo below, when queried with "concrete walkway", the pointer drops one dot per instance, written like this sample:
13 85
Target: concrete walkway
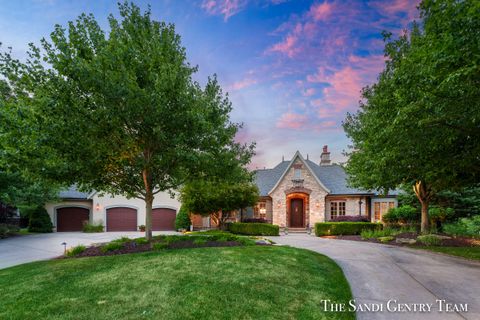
379 273
28 248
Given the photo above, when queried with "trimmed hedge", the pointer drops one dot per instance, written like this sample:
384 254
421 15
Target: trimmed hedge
254 229
343 228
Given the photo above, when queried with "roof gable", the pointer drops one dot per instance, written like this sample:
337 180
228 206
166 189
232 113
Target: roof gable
295 157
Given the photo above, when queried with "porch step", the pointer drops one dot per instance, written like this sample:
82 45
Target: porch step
297 230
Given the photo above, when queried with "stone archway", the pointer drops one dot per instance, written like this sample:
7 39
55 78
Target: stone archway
297 205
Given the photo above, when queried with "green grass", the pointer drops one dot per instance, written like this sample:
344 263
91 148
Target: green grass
472 253
206 283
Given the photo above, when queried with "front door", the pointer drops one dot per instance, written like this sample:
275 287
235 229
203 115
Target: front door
296 213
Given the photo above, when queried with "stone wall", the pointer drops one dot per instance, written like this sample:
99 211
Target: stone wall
315 210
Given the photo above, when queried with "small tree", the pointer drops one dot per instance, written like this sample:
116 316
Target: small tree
39 220
218 198
182 220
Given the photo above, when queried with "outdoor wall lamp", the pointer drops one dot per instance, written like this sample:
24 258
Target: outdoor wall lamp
97 207
317 204
263 210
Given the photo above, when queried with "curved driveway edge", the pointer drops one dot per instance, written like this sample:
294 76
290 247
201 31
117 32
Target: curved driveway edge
379 273
28 248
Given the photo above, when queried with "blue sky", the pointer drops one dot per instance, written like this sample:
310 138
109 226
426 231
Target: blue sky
292 68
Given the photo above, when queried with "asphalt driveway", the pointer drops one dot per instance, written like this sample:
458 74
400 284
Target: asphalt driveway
28 248
379 273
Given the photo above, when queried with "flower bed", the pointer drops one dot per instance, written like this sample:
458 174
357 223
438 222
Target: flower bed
127 245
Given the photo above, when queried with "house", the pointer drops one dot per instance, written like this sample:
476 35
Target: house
299 192
116 213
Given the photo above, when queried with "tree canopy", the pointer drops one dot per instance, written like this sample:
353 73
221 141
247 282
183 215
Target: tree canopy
419 124
119 112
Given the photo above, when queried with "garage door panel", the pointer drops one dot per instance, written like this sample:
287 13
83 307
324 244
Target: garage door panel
121 219
163 219
71 218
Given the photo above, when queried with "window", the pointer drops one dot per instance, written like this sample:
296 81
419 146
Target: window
297 174
260 210
337 208
380 208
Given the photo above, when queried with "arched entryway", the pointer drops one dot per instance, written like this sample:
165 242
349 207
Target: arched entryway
297 209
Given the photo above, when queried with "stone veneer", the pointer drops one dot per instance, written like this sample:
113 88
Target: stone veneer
314 210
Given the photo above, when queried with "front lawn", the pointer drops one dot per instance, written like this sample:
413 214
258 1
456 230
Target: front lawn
472 253
250 282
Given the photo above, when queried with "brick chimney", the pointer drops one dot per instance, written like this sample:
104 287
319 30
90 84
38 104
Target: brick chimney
325 157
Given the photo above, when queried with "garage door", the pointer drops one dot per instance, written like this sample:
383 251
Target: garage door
71 218
121 219
163 219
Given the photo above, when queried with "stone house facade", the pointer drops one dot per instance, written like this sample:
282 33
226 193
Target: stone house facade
299 193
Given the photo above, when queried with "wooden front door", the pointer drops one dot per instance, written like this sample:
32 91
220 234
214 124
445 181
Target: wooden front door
296 213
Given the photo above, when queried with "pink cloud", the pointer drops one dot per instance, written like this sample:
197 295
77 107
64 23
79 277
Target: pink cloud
345 84
226 8
321 11
247 82
291 120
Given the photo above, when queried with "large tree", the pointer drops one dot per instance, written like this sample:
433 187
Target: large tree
419 125
119 112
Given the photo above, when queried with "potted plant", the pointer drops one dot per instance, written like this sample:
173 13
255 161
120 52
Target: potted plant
142 228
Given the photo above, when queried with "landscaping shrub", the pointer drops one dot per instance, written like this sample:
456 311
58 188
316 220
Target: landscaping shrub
39 220
254 229
75 250
386 239
403 214
182 221
343 228
8 230
350 219
141 241
111 246
200 241
91 228
464 227
160 246
429 240
122 240
378 233
254 220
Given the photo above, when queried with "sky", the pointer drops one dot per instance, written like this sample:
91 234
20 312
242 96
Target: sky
292 69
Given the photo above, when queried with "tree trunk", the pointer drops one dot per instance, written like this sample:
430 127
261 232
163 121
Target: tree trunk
423 194
148 216
425 223
147 180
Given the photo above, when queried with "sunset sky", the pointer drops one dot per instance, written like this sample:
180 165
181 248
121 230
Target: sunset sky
292 68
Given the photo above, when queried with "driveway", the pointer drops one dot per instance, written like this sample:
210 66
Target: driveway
28 248
379 273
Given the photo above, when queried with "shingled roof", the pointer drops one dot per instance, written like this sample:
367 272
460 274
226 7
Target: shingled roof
332 176
72 193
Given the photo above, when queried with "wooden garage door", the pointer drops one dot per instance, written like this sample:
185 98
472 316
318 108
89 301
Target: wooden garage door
163 219
121 219
71 218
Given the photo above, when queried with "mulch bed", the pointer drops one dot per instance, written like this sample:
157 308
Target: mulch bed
453 242
133 247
